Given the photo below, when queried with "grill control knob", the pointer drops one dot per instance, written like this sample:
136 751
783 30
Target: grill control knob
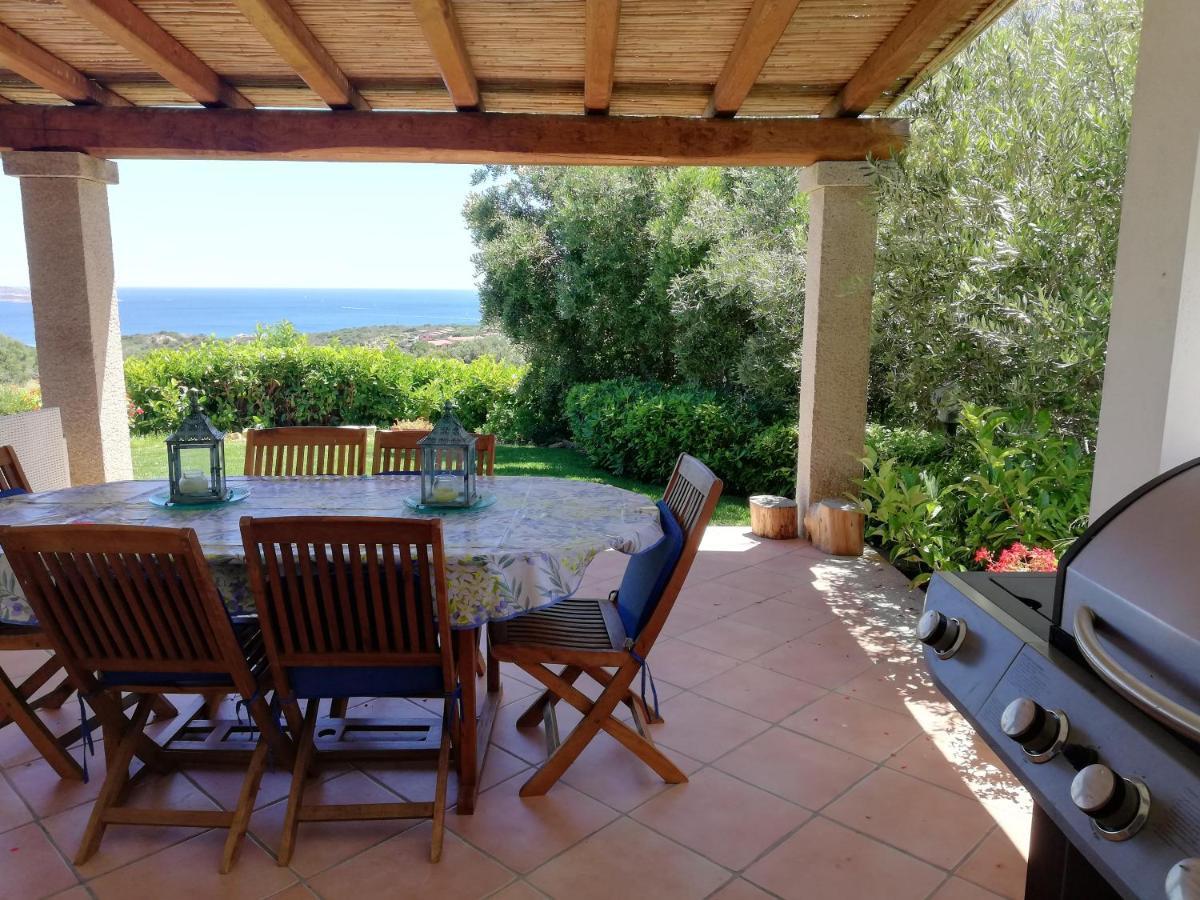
1183 880
942 633
1042 733
1117 806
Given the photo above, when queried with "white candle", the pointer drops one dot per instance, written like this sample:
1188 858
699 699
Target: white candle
193 483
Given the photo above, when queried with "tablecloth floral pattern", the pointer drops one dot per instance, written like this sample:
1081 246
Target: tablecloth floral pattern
529 549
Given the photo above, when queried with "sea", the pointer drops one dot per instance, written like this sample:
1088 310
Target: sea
225 312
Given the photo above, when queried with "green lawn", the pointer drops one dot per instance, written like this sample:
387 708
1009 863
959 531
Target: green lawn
150 461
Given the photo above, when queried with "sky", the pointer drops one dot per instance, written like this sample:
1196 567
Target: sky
275 224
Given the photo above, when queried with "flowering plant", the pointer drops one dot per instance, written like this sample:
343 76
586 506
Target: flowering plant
1018 558
133 410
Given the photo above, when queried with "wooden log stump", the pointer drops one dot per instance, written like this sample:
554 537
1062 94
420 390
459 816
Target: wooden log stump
774 517
835 527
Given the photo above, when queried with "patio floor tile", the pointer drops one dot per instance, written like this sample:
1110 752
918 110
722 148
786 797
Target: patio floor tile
929 822
608 772
996 865
760 692
787 620
686 665
703 729
824 861
761 581
400 868
894 687
795 767
828 667
629 860
13 811
723 596
958 889
518 890
862 728
32 867
525 832
697 815
45 793
960 763
732 638
740 889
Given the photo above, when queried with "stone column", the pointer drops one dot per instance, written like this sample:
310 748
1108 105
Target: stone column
68 240
1150 411
837 329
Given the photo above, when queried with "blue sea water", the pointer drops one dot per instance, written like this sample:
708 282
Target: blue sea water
225 312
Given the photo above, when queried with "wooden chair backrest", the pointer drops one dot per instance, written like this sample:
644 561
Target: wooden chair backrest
692 494
306 450
11 474
350 591
125 598
398 450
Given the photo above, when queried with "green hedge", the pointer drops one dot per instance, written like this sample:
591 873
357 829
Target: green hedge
243 385
639 428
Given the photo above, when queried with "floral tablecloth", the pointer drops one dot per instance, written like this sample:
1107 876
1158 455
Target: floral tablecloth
529 549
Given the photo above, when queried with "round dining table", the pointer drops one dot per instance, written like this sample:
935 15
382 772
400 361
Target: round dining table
526 546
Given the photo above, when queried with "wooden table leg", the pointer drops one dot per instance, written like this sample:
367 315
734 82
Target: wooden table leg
476 733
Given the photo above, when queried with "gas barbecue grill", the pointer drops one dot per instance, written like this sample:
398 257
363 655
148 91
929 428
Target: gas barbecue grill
1087 684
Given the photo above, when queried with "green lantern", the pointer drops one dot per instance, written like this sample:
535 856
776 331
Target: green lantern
448 464
196 460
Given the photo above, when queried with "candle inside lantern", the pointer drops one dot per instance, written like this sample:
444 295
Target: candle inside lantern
193 482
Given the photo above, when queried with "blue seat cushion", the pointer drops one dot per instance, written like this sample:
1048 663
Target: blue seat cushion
320 682
647 574
12 492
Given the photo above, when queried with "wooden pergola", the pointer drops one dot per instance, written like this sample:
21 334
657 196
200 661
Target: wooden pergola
651 82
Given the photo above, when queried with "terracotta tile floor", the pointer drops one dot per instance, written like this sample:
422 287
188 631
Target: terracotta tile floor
822 764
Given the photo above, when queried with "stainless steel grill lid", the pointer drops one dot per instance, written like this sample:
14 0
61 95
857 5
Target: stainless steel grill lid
1129 593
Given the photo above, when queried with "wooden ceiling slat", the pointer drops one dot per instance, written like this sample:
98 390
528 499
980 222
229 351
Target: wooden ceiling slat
145 39
763 28
45 69
292 40
602 22
165 133
444 36
901 49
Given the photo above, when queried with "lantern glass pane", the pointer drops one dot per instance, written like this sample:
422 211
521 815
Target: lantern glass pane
195 471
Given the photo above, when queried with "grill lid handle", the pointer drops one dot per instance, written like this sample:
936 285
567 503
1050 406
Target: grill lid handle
1154 704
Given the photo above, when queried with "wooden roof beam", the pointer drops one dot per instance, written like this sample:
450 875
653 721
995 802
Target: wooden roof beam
445 40
128 26
47 71
166 133
602 20
900 50
286 32
764 26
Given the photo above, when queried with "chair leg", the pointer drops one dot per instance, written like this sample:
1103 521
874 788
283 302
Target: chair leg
18 711
114 781
163 708
304 754
493 673
245 805
338 707
480 664
439 791
55 698
532 716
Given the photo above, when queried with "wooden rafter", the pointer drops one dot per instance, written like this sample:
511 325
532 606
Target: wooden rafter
445 40
165 133
128 26
764 26
46 70
900 50
286 32
602 20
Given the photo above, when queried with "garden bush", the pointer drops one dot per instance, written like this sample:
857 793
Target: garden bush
639 428
271 381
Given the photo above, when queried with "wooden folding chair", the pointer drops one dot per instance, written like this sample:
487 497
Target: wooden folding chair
17 707
399 450
134 609
589 636
12 476
306 450
354 607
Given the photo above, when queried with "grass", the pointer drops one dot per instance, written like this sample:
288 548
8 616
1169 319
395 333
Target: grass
150 461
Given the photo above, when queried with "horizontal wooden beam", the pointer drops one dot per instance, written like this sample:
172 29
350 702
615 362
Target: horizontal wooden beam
286 32
128 26
449 50
761 31
46 70
165 133
897 54
602 20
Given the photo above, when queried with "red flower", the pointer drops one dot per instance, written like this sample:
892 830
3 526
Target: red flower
983 554
1019 558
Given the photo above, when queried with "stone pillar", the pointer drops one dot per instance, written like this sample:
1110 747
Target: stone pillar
837 329
1149 413
68 240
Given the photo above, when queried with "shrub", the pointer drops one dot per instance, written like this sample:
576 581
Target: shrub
280 381
639 428
16 398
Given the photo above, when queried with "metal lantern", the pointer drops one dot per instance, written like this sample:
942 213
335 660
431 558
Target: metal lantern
196 460
448 464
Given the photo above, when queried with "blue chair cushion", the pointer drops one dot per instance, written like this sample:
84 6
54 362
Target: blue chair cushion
12 492
647 574
320 682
